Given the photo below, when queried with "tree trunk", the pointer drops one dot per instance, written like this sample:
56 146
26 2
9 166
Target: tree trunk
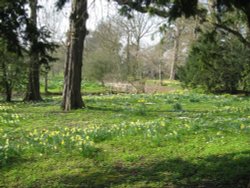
159 72
128 56
46 82
72 98
176 53
33 88
7 85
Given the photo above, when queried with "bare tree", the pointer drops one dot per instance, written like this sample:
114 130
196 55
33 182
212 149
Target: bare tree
134 30
178 37
177 32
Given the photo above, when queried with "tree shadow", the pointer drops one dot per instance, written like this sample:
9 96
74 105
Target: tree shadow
215 171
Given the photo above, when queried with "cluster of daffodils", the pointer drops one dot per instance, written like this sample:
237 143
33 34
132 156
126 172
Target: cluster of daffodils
8 149
68 139
84 140
4 148
8 117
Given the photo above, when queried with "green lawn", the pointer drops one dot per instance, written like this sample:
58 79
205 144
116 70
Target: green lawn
55 86
161 140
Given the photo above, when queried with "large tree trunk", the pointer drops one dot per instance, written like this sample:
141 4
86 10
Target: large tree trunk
33 88
72 98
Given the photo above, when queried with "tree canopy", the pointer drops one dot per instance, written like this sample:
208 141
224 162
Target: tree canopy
13 18
173 9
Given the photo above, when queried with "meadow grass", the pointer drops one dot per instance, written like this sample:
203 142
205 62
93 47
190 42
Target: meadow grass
55 86
180 139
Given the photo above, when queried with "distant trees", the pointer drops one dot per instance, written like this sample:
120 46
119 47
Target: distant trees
177 39
134 30
213 61
134 59
102 59
114 51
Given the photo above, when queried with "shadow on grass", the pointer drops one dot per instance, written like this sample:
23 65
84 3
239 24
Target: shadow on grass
229 171
125 110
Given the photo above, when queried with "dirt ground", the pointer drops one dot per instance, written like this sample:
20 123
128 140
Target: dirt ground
148 88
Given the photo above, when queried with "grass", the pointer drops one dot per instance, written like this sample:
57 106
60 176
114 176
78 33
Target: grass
55 86
181 139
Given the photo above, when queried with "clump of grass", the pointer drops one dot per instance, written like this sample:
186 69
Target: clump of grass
10 150
177 107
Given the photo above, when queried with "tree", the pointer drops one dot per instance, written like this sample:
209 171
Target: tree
12 74
22 35
39 53
217 63
166 9
72 98
33 88
13 19
102 60
174 9
134 30
177 38
178 29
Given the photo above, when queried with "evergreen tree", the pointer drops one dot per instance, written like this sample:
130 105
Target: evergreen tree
13 19
12 71
21 35
217 63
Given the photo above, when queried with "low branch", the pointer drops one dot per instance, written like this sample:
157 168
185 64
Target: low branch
143 9
234 32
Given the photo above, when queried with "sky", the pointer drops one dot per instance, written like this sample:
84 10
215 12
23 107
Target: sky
58 22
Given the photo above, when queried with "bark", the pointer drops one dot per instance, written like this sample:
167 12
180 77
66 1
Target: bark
72 98
46 83
7 84
160 75
33 88
176 53
8 94
128 54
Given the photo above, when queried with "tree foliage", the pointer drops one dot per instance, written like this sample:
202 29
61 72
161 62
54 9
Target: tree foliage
173 9
22 36
12 72
102 53
13 19
217 63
